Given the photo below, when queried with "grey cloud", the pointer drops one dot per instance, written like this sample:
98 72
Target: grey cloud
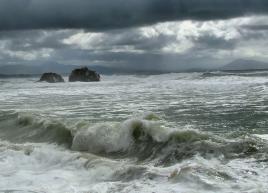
142 48
256 32
34 39
261 27
102 53
209 41
133 39
133 61
28 40
97 15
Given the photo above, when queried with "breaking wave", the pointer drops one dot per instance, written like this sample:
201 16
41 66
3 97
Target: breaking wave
26 127
143 138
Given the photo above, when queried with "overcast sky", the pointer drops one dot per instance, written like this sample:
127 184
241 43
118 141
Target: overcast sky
134 34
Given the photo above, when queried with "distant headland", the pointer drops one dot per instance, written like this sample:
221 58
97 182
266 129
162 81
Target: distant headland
27 71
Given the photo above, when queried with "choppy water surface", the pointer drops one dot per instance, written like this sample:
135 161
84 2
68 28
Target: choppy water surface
183 133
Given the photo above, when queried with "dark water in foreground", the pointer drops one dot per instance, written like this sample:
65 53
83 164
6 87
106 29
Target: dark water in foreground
184 133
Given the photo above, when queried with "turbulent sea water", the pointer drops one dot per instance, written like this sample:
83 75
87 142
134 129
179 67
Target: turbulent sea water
167 133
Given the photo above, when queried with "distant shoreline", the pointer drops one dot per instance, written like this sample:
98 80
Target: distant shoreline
19 75
246 70
22 75
3 76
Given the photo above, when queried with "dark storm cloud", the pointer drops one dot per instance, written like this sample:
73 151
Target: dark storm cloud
109 14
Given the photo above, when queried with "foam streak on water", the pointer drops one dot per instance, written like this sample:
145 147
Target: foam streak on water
182 133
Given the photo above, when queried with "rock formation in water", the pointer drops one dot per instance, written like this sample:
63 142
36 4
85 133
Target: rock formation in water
51 78
84 75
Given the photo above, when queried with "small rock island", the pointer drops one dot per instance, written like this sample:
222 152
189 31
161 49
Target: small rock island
51 77
84 75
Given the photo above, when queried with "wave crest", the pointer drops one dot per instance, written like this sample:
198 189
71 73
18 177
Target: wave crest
143 138
27 127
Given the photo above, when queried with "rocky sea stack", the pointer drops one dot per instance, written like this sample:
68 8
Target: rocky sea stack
51 78
84 75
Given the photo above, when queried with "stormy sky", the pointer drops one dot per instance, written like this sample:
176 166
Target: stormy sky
168 35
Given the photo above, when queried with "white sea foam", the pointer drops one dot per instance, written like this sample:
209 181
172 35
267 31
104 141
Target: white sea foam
200 138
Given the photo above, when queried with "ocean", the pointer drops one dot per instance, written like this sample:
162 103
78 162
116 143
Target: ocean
168 133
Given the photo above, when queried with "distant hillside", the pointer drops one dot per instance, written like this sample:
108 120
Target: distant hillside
24 70
245 65
36 69
18 75
28 70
